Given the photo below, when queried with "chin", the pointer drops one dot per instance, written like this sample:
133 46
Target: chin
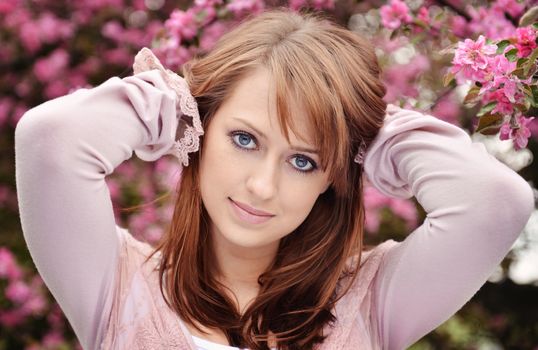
243 238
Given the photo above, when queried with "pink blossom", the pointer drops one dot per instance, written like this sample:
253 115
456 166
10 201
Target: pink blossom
4 194
207 3
243 7
206 10
405 209
400 79
119 56
135 37
17 113
53 29
182 24
512 7
211 34
424 15
30 36
24 87
323 4
8 265
504 106
175 55
471 58
297 4
99 4
127 171
533 127
490 23
519 136
526 41
497 75
6 104
81 17
389 46
18 17
55 317
153 233
35 305
168 173
112 30
53 339
373 202
206 15
76 79
447 109
140 221
8 52
395 14
11 318
372 220
55 89
51 67
458 26
17 291
147 191
8 197
432 24
6 6
113 188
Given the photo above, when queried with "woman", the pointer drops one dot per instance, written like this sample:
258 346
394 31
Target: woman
264 249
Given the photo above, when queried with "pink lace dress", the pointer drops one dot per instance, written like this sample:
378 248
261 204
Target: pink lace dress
140 319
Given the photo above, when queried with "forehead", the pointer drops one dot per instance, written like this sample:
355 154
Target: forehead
254 98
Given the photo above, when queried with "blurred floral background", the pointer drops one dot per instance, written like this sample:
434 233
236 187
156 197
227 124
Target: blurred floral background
470 63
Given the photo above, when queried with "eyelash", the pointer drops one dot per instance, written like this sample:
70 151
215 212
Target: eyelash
241 132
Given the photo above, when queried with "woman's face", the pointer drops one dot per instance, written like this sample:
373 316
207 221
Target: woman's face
247 162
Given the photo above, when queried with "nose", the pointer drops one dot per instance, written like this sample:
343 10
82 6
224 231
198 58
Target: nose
263 179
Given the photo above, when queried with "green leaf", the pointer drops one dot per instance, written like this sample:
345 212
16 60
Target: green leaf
511 55
530 101
472 97
501 45
487 108
534 97
448 78
532 60
489 124
529 17
527 89
518 73
535 25
521 62
421 23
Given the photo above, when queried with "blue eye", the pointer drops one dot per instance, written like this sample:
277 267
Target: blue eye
303 164
243 140
247 142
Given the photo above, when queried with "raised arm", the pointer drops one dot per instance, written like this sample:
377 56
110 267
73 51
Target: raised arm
64 148
476 208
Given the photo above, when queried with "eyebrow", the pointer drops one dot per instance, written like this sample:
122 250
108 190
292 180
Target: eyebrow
296 148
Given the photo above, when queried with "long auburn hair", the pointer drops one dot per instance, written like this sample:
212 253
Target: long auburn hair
334 74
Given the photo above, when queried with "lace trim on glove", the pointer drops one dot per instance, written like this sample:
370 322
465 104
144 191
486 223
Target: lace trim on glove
189 117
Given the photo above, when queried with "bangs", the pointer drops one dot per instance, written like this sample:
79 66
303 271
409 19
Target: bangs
305 86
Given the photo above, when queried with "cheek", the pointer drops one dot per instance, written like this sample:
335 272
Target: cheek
297 200
218 168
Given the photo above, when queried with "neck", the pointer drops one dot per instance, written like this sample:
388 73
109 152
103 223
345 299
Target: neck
241 266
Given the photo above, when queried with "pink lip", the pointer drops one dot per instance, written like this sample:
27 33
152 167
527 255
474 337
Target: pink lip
251 210
250 214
